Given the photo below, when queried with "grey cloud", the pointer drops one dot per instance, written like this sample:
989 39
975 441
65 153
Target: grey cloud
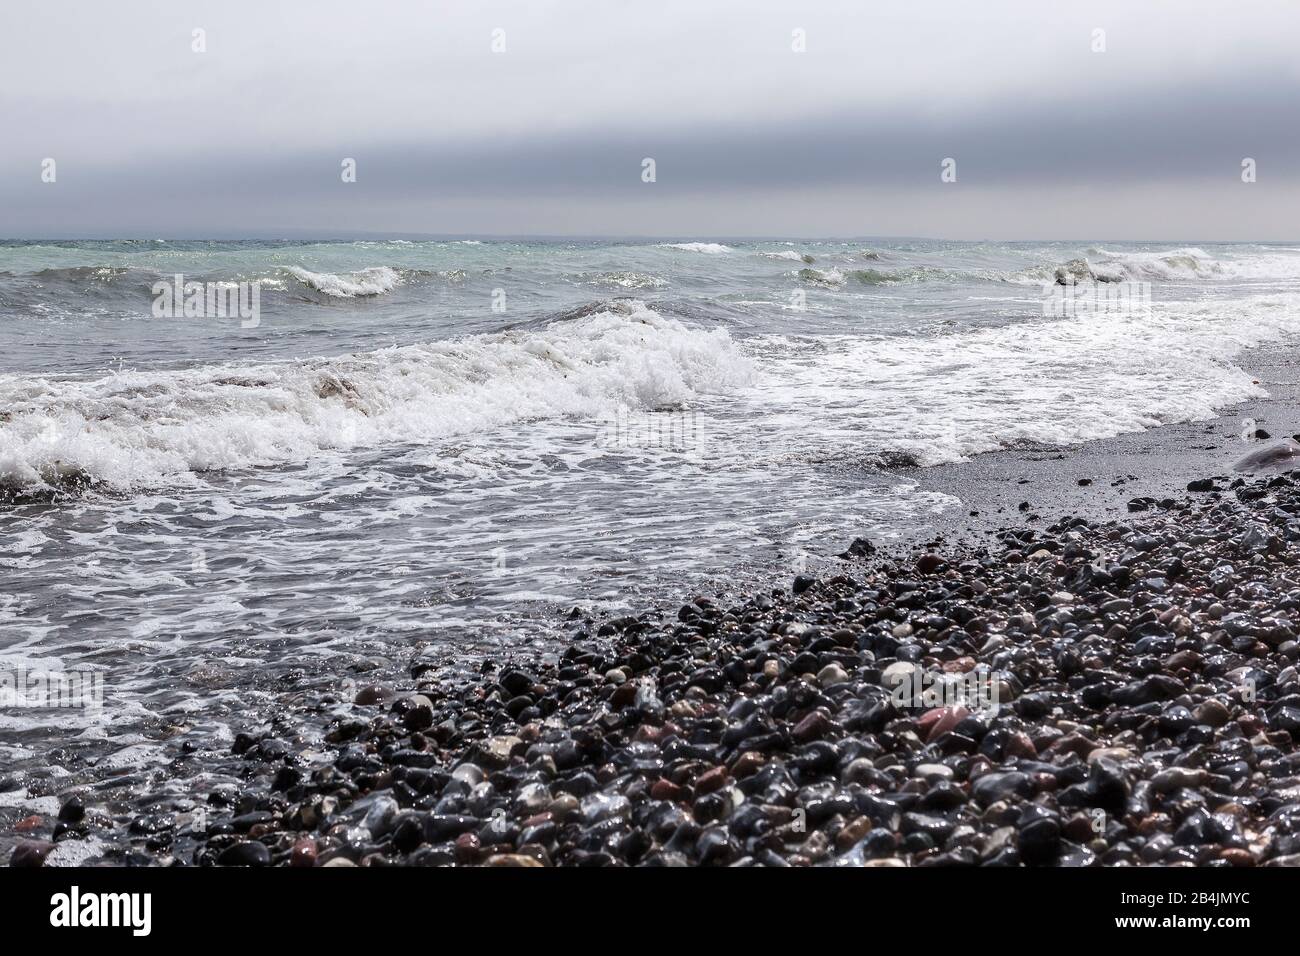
486 160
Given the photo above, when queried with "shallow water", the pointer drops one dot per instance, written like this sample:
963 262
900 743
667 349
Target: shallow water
444 447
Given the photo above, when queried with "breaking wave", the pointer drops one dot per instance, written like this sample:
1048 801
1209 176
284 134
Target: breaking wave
375 280
709 248
138 430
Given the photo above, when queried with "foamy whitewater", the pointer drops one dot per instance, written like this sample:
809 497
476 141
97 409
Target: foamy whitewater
444 447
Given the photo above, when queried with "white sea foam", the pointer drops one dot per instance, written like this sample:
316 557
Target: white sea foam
136 430
375 280
1172 265
944 398
709 248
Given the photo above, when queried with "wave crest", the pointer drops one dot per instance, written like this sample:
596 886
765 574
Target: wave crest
708 248
375 280
138 430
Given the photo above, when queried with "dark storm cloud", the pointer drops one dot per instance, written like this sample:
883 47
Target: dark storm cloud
202 151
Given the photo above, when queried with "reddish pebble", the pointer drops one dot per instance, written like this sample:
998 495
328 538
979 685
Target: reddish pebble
28 824
31 853
811 727
747 764
935 723
467 848
1019 745
667 790
303 853
711 780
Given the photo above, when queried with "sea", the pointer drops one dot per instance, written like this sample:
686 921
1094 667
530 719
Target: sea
389 449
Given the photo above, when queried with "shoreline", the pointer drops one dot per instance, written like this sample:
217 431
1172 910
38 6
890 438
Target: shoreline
767 731
1155 463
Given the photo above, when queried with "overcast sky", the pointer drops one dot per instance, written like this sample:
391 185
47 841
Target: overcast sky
1051 139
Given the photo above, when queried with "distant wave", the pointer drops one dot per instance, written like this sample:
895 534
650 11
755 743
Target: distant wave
1174 265
710 248
897 276
835 278
789 254
623 280
375 280
73 275
137 430
826 278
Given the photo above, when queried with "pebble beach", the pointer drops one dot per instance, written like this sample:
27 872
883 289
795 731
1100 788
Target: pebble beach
1147 708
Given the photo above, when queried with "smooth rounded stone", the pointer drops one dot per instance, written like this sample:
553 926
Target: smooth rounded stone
1019 744
1000 841
512 860
1038 836
932 772
1006 786
30 853
370 694
1175 778
1237 856
713 779
1279 456
885 861
532 798
73 810
379 815
860 771
419 714
304 853
802 582
1212 712
715 847
1118 754
902 631
598 806
245 853
831 674
929 563
940 720
497 749
747 764
469 774
813 726
899 674
667 790
563 806
517 682
852 833
467 848
338 861
860 547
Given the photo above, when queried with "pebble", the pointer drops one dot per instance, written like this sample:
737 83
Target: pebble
831 674
246 853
